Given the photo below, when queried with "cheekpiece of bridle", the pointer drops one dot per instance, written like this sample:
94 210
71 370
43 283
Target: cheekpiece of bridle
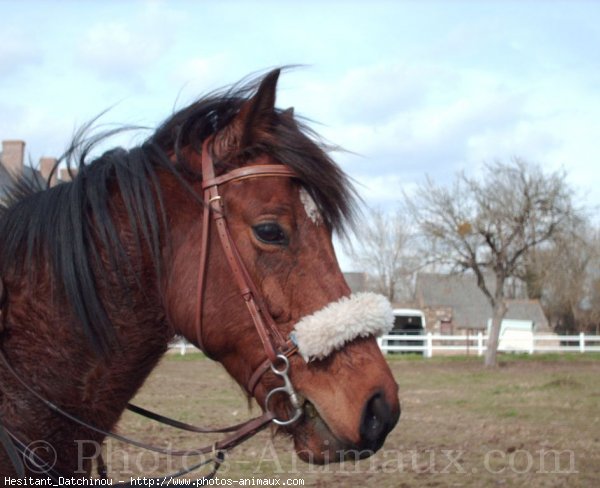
276 347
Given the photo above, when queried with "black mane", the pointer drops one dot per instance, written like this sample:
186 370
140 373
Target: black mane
68 224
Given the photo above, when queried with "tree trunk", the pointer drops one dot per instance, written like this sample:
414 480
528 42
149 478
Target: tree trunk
491 353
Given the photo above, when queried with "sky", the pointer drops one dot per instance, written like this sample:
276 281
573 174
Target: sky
408 88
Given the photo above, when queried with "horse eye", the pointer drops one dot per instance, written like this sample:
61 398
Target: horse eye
270 233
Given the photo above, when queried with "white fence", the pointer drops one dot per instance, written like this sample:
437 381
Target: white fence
183 347
429 344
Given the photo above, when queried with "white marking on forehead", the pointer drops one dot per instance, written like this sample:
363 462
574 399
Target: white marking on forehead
359 315
310 207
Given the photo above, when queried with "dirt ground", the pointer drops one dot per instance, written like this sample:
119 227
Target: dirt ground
533 422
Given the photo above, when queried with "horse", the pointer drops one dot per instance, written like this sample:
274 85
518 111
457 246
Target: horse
217 228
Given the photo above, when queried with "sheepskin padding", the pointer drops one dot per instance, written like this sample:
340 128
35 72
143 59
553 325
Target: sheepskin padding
359 315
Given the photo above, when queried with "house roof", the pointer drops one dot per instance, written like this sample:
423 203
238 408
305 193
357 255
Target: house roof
6 179
470 307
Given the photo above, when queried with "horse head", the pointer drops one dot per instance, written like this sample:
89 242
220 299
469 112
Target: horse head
281 226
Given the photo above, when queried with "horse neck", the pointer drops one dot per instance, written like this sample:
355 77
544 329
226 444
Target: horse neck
49 351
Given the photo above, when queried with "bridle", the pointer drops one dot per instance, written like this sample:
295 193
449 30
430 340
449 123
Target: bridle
276 347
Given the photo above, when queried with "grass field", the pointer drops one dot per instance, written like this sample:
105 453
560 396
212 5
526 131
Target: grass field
535 422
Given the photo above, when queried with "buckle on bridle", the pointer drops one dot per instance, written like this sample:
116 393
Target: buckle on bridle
287 388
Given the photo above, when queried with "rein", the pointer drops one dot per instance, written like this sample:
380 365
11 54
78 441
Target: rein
277 349
241 432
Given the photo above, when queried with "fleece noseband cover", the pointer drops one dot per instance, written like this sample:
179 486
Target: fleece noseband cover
358 315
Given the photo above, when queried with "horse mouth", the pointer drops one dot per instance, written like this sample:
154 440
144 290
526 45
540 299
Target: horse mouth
316 443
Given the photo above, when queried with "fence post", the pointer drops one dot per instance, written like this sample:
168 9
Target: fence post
581 342
182 348
429 349
532 344
479 343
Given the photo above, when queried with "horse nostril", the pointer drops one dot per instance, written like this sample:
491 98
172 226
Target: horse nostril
377 421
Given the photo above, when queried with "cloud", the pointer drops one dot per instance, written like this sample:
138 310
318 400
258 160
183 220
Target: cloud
376 93
199 75
435 132
114 49
17 51
124 49
454 121
42 131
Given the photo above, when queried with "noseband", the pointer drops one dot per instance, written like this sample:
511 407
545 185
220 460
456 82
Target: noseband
276 347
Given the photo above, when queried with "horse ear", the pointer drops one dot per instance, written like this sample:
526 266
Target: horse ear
288 113
255 117
257 113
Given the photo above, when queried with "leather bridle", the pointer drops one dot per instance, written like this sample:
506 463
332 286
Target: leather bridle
276 347
213 205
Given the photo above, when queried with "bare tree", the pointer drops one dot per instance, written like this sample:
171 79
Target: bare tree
383 251
492 224
566 278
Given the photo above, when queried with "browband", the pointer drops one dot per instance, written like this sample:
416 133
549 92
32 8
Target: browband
250 172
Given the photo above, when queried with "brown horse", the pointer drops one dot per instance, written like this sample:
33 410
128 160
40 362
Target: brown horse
100 273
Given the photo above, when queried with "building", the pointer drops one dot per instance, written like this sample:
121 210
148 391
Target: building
454 304
12 159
